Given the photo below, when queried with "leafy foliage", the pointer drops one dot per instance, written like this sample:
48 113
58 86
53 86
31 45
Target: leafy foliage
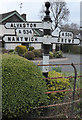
37 53
21 49
3 50
57 84
51 54
57 69
74 49
58 54
22 86
29 55
31 48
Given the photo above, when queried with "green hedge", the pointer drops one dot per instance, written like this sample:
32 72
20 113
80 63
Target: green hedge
74 49
51 54
37 53
58 54
57 84
29 55
31 48
21 49
23 86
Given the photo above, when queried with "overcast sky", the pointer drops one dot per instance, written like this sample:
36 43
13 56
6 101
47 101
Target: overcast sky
32 8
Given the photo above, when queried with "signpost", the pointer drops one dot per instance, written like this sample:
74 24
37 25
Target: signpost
45 40
24 34
29 24
21 32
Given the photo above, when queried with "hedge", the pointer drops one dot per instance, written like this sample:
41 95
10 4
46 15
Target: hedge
23 86
21 49
29 55
51 54
57 84
58 54
37 53
73 49
31 48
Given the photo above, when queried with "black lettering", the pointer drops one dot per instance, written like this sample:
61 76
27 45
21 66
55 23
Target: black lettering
65 34
11 25
17 25
27 24
58 40
65 40
24 25
62 34
29 38
31 25
27 31
17 39
62 40
69 40
21 38
20 31
30 32
24 32
14 25
9 38
26 39
34 25
20 25
70 34
35 39
72 41
13 39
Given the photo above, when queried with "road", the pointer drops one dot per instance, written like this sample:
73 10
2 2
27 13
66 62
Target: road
69 58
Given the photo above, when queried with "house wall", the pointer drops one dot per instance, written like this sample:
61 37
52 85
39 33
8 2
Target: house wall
11 46
36 45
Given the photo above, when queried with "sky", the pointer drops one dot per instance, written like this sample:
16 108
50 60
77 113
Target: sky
32 8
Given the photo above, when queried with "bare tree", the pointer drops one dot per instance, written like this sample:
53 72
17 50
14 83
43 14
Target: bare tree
73 27
59 12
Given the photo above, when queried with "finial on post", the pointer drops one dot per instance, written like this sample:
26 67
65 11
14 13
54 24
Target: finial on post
47 16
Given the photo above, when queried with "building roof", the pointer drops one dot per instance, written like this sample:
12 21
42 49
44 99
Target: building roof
5 16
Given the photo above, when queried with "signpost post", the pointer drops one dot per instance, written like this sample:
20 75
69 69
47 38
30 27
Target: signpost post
46 45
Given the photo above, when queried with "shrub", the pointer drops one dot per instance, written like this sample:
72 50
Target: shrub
57 69
10 51
51 54
14 52
21 49
58 54
73 49
23 86
41 52
31 48
3 50
57 84
37 53
29 55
